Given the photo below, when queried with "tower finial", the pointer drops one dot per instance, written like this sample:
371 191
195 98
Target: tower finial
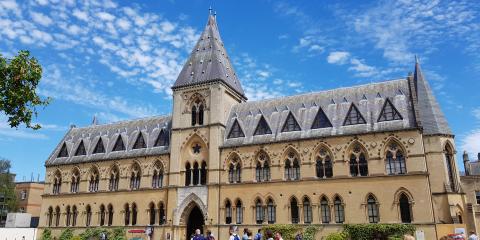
210 10
215 14
95 120
416 59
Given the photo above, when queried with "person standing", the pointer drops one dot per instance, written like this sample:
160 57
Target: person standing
209 235
198 235
472 236
269 234
258 236
233 233
245 235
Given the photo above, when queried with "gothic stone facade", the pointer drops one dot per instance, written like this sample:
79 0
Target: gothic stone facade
381 152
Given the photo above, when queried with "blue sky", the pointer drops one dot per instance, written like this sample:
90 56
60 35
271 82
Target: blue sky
117 60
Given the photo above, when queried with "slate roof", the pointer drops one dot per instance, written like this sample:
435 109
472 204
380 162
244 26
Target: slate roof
431 117
209 62
369 99
128 130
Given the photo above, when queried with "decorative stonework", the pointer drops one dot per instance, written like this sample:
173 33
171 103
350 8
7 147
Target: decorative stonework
187 198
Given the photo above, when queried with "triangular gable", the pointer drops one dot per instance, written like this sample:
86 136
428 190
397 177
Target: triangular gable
321 120
80 149
162 139
389 112
140 142
99 148
63 151
262 127
236 131
291 124
353 116
119 146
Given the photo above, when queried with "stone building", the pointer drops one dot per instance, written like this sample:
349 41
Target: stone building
375 153
29 198
470 183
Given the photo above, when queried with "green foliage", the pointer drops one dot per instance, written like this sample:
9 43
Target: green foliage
310 232
7 186
67 234
46 234
288 231
94 233
337 236
19 78
76 238
382 231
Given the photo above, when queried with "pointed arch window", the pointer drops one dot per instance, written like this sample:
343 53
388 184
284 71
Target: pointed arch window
135 177
127 214
119 146
110 214
234 170
450 168
353 116
389 112
307 211
358 163
294 210
325 210
291 124
114 179
140 142
372 209
152 213
262 127
239 211
57 183
88 217
395 160
339 210
228 212
63 151
50 216
188 174
80 149
321 120
236 131
99 148
57 216
134 214
93 181
196 174
200 114
271 211
197 112
102 215
258 211
157 178
194 115
405 208
203 174
68 215
74 215
324 165
262 169
162 139
161 214
75 184
292 167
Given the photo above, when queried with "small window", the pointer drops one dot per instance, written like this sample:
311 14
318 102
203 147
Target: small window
119 146
271 212
99 148
339 210
405 209
239 212
372 209
477 196
321 120
353 116
140 142
389 112
80 150
162 139
236 130
262 127
23 195
228 212
307 211
63 151
294 210
291 124
258 211
325 209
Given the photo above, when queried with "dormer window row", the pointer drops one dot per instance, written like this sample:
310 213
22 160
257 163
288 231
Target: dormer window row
353 117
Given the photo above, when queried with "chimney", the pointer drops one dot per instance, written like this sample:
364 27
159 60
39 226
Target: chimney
466 163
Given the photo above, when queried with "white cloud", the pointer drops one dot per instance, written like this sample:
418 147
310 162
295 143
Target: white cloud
361 69
80 15
124 24
338 57
41 19
471 141
7 131
105 16
9 5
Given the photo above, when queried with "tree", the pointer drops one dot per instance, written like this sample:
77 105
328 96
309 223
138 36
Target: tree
7 185
19 78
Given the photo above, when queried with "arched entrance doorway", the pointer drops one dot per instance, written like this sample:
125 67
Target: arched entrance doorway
195 221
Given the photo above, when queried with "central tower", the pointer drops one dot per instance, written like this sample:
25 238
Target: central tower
203 94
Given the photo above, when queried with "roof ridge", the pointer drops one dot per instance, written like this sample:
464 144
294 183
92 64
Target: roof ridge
122 121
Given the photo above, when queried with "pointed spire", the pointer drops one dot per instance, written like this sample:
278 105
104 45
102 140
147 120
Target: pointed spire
209 62
94 120
430 116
